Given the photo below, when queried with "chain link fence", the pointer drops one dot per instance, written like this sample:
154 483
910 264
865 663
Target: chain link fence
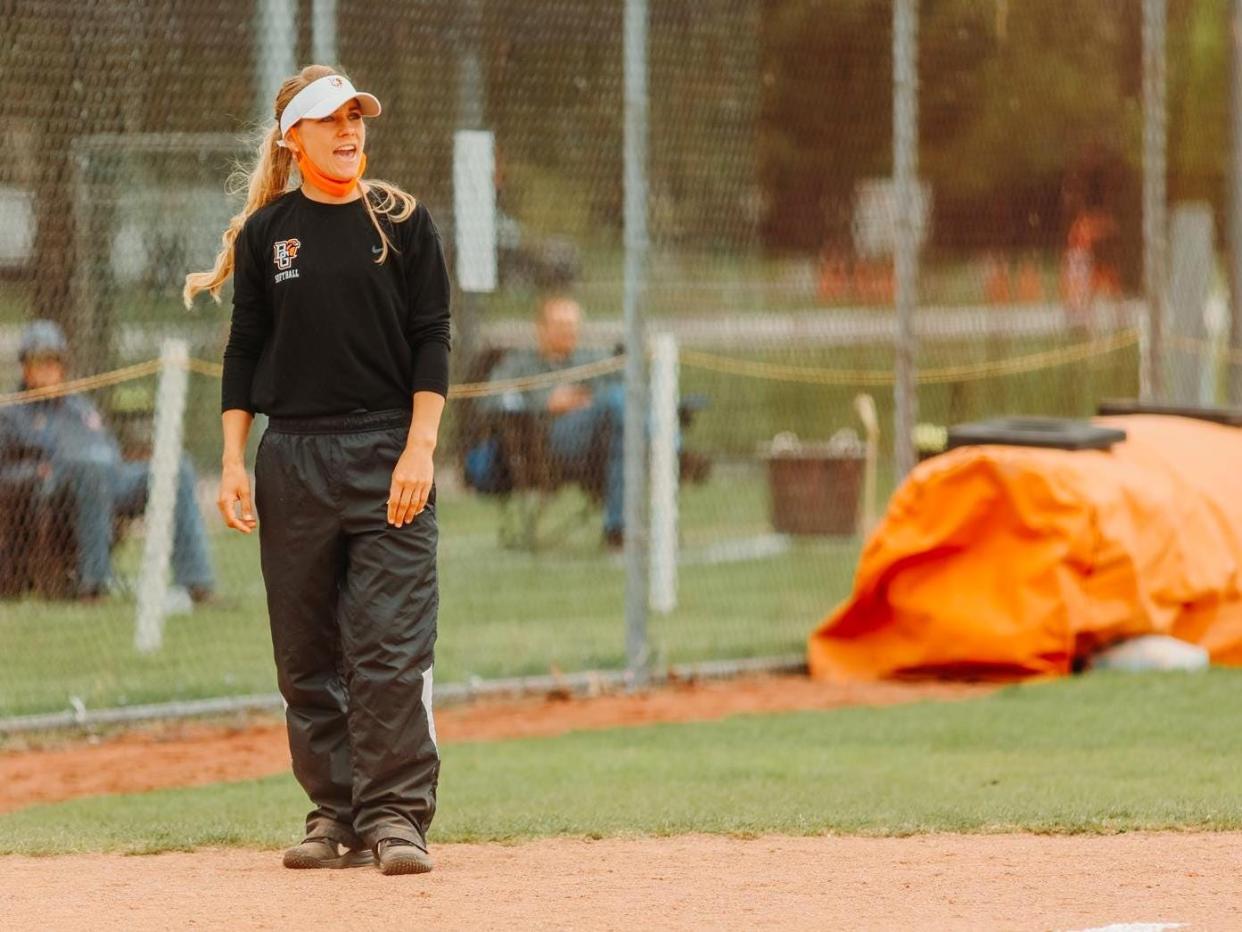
776 217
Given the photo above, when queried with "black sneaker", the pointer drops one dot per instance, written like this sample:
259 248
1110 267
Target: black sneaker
325 852
398 856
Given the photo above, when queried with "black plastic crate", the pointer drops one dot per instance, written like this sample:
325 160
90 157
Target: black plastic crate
1054 433
1230 417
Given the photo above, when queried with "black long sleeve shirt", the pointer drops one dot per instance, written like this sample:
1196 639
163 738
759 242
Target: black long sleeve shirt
319 328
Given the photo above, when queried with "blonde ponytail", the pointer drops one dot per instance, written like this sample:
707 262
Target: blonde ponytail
268 180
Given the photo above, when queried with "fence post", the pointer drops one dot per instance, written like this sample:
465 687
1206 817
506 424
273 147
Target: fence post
664 473
905 258
162 495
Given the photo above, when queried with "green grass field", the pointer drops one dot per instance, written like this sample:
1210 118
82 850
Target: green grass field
503 612
1102 753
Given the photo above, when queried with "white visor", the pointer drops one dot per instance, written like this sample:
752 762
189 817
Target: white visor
322 97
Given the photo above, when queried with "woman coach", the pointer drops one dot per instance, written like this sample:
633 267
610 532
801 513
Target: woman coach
340 334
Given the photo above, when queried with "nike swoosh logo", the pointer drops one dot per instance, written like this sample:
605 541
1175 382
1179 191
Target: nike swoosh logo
376 250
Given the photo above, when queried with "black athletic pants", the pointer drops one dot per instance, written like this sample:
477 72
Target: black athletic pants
353 603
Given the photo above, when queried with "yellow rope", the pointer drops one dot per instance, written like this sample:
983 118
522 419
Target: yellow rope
1031 362
590 370
203 367
730 365
214 370
85 384
1232 355
727 365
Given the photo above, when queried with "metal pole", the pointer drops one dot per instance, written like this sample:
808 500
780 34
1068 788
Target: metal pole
1155 206
277 30
905 179
470 90
635 439
471 94
323 32
1235 202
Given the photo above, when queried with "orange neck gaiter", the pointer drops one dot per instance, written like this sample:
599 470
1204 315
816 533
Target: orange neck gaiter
334 187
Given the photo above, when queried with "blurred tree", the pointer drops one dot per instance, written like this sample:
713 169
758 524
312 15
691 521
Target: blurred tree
762 111
40 60
555 104
826 114
1054 127
705 89
1011 96
1199 102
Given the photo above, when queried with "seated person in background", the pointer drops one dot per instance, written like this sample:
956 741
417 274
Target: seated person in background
82 458
579 410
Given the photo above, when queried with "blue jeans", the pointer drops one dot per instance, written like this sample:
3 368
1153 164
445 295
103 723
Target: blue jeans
104 490
574 436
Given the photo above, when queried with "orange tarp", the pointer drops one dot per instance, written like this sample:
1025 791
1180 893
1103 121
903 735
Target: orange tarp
1007 562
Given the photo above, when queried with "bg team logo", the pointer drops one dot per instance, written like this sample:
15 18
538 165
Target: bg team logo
283 254
286 251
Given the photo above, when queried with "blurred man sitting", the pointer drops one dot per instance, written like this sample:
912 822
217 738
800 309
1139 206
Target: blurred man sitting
82 460
585 417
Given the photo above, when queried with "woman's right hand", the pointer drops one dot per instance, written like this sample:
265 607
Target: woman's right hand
235 490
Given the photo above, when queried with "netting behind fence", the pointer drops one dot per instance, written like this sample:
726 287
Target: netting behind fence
773 223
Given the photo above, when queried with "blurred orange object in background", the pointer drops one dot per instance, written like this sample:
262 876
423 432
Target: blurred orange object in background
1004 562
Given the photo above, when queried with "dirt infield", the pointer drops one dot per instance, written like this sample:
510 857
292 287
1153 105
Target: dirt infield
689 882
1137 881
197 754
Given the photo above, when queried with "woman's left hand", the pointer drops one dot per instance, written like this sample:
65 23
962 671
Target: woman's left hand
411 484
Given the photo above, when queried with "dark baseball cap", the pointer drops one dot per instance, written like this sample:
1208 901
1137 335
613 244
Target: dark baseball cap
42 338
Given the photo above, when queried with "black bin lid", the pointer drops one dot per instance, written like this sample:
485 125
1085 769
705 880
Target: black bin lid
1230 417
1054 433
